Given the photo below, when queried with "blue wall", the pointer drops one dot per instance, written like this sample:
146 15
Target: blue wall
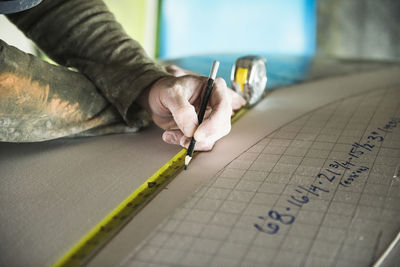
198 27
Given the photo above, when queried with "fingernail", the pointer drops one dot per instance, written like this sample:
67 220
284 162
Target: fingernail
169 138
184 142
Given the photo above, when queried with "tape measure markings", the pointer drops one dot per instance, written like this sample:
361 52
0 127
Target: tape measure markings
116 219
96 238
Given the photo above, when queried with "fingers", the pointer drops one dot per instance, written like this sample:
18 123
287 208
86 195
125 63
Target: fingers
186 118
177 102
176 137
179 98
237 100
173 137
218 124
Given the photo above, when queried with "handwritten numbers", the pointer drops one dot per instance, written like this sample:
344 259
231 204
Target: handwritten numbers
375 138
330 179
284 218
347 169
273 227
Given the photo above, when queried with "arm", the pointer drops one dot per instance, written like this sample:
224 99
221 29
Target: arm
85 35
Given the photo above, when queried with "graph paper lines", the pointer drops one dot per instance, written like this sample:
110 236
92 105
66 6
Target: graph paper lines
317 192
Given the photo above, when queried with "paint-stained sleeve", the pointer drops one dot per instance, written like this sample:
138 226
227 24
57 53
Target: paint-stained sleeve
86 36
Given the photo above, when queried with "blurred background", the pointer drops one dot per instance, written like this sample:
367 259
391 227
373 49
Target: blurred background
353 29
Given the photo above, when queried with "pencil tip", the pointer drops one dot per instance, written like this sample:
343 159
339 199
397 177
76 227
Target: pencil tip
187 160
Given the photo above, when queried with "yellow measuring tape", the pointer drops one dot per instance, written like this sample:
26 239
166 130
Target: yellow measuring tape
93 241
241 77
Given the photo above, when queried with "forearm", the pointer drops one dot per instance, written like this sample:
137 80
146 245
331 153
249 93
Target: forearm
85 35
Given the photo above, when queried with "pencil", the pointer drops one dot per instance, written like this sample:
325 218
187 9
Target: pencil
200 116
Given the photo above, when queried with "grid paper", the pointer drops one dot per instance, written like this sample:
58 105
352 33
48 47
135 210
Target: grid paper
225 222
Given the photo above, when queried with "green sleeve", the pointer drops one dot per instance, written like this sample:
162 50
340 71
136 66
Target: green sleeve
85 35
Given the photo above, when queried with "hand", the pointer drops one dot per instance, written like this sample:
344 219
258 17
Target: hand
173 103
